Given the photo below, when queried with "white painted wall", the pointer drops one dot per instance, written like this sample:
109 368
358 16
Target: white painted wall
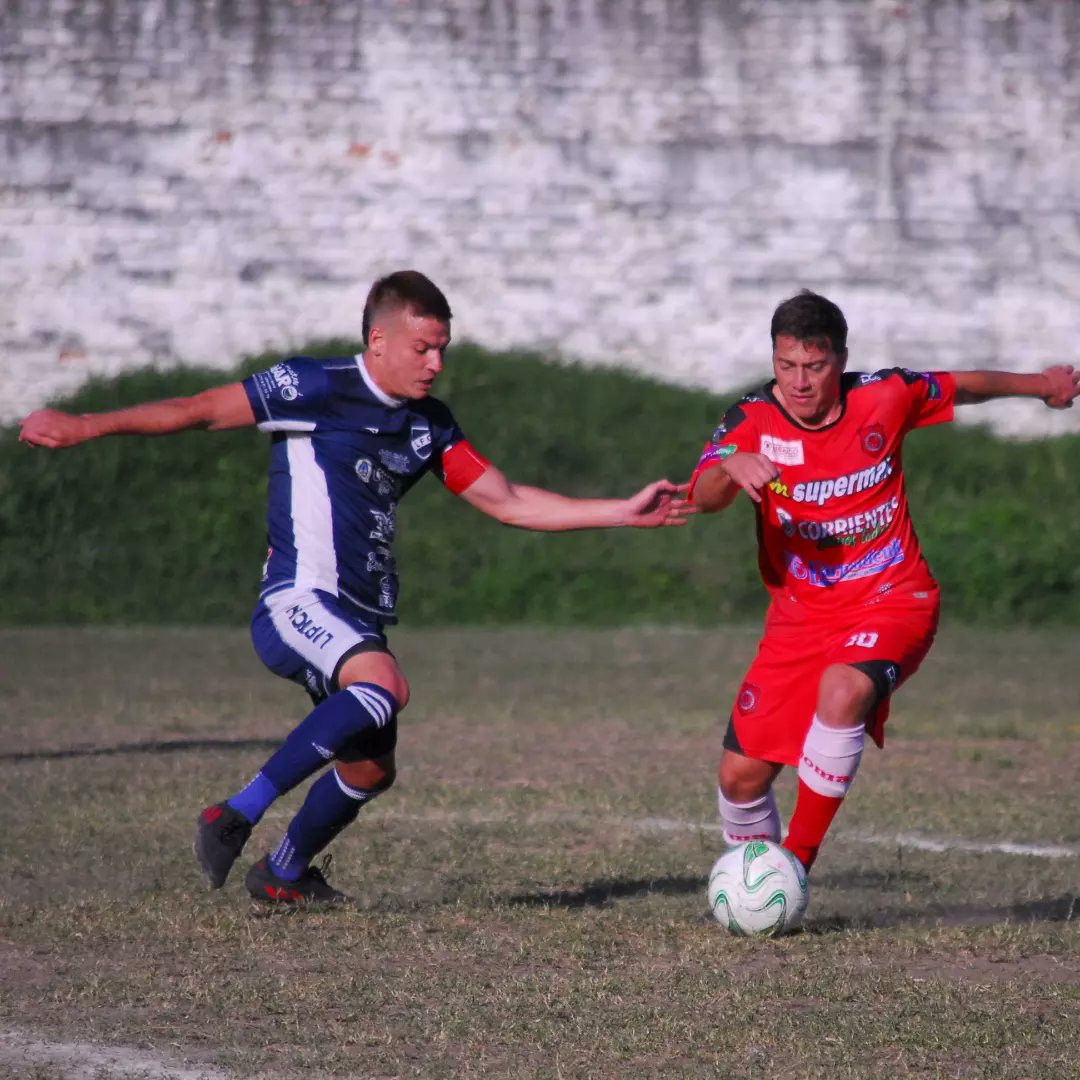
635 182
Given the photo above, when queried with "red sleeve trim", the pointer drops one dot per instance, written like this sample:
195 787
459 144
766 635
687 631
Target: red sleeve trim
462 466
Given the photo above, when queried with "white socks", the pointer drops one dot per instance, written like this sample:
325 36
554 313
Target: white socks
757 820
830 758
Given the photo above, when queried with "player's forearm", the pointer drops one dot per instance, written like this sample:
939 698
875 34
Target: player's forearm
714 490
152 418
546 511
973 387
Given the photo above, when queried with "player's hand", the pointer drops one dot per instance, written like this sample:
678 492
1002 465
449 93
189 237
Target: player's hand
1063 384
659 503
751 472
55 429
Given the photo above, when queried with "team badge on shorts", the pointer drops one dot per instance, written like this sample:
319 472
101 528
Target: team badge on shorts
873 439
747 701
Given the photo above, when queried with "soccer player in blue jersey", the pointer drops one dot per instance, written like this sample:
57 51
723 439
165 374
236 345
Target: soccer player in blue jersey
350 438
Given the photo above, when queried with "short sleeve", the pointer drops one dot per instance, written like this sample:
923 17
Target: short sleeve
931 396
290 396
734 435
453 459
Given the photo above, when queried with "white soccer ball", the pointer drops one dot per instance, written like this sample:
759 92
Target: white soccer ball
758 889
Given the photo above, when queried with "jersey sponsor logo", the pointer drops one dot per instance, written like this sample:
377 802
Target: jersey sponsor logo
837 487
370 473
782 451
286 380
395 461
847 531
787 522
933 386
822 575
384 526
420 439
381 561
307 627
872 438
718 453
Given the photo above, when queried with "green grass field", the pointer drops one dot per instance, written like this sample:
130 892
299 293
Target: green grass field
529 900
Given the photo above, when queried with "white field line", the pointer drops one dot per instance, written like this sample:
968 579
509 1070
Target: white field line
910 841
87 1061
901 840
90 1061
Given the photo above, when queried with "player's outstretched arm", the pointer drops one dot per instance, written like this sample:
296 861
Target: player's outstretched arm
715 489
1056 386
216 410
659 503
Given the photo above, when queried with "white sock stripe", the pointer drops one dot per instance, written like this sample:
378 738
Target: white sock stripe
284 851
379 705
353 793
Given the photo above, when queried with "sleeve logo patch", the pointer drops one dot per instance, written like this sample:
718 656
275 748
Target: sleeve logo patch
782 451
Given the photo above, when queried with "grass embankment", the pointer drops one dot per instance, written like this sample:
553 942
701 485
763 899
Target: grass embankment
171 530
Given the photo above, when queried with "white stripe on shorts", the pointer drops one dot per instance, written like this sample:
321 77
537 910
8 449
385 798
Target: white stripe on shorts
310 628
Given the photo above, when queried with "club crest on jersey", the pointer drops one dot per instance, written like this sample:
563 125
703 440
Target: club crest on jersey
873 439
420 439
782 451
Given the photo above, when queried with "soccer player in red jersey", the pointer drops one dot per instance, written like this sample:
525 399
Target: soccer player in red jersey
854 606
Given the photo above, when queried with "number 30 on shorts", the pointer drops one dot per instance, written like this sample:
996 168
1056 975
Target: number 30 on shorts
865 639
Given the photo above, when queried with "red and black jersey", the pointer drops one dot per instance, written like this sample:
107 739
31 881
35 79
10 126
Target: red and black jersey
834 530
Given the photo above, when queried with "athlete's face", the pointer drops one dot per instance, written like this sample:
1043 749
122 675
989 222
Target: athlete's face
808 379
405 352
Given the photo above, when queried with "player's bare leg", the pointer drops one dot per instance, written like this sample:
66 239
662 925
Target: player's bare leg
830 757
745 797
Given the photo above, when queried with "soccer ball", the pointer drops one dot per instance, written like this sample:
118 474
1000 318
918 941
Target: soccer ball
758 889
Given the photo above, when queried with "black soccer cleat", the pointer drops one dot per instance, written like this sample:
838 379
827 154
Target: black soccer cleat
309 888
220 836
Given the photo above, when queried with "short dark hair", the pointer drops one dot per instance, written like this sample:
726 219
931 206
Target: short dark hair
809 317
404 289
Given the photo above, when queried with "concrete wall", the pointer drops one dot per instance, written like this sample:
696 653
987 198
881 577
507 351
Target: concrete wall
623 181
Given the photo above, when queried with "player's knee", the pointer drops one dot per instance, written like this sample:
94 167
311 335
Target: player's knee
373 774
742 779
845 695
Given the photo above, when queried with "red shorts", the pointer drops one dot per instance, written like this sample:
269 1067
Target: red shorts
776 702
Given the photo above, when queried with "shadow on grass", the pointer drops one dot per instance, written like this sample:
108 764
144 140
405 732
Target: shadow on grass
170 746
1065 908
602 893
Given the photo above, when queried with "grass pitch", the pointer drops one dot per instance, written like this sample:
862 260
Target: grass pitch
529 899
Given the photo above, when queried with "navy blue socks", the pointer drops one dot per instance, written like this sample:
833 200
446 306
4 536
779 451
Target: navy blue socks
331 804
317 739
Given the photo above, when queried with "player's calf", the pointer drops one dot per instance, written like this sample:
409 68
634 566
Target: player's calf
829 762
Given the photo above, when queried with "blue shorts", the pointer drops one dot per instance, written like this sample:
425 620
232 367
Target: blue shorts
305 635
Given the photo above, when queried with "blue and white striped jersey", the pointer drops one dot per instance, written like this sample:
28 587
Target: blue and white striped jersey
343 454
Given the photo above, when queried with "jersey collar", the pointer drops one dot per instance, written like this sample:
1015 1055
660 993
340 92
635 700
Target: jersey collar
385 398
